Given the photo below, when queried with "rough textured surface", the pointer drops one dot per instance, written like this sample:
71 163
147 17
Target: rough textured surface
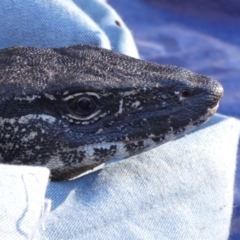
71 109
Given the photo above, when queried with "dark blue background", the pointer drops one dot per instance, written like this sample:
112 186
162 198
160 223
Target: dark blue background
201 35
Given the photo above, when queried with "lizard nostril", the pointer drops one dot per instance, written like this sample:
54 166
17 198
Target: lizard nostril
186 94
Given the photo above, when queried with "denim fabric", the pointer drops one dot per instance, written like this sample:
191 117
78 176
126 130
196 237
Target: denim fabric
58 23
22 201
109 21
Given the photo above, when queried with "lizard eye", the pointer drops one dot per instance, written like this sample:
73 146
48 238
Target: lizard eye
83 105
83 108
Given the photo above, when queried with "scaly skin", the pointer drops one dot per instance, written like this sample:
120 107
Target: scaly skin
71 109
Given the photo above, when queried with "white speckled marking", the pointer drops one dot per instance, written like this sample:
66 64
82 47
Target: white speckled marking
30 137
27 98
128 93
79 94
25 119
136 104
120 110
49 96
75 117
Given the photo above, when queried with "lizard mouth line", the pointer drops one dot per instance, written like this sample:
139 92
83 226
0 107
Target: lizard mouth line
213 110
204 118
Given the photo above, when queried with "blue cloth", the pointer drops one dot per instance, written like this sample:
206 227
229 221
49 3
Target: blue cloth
181 190
58 23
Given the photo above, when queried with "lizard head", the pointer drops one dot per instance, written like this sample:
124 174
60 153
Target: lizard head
71 109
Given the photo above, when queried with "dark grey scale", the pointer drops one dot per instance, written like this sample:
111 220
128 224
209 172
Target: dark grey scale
60 105
73 157
135 147
103 153
199 122
179 131
158 139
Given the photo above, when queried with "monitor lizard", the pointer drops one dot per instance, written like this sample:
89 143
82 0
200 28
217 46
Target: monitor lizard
70 109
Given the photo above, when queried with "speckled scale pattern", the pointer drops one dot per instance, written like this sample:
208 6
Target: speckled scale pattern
137 106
